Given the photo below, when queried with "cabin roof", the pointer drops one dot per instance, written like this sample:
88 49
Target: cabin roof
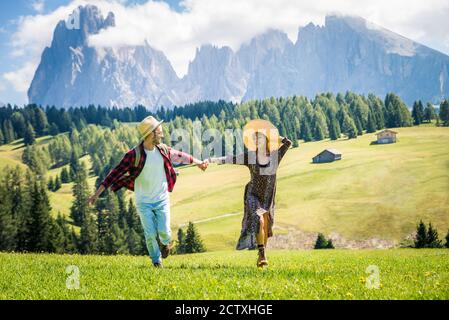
386 130
333 151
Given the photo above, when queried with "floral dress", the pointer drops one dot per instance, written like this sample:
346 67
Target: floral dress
259 194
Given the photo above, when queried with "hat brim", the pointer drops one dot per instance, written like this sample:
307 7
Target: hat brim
262 126
149 132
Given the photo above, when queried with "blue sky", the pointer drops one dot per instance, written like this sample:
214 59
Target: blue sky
26 27
10 13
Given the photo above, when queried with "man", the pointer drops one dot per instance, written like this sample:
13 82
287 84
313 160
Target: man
148 171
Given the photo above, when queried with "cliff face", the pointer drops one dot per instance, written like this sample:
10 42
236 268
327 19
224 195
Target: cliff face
347 53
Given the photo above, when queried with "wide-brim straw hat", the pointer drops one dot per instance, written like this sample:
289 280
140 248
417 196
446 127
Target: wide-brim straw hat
266 128
146 126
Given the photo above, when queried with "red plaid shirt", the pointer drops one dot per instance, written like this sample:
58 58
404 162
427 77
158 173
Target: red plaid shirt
125 173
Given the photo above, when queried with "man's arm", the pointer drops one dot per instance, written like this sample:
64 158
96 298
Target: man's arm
113 175
179 157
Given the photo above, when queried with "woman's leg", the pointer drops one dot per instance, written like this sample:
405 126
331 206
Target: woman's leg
261 240
266 225
260 236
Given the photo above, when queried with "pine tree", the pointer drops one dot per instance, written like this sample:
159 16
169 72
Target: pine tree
318 133
330 245
88 242
371 125
21 189
349 128
19 124
321 242
8 131
444 113
65 177
134 242
103 227
180 247
358 125
29 137
447 239
193 242
117 240
39 236
417 113
305 130
51 184
432 238
57 184
80 207
74 240
53 129
8 229
429 112
421 235
2 137
56 236
334 129
75 164
69 243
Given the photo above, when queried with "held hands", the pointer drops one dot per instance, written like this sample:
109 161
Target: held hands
203 164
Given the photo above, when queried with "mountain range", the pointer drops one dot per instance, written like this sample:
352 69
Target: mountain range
346 53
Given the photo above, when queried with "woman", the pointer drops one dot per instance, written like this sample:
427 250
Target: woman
262 158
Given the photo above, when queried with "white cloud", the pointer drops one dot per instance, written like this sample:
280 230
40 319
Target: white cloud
21 78
229 22
38 5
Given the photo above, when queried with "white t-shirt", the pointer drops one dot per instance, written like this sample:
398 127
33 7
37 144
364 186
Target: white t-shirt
151 185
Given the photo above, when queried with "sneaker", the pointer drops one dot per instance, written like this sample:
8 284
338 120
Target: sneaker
157 264
262 260
165 251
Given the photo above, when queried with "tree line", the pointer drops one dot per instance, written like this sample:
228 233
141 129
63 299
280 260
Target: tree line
327 115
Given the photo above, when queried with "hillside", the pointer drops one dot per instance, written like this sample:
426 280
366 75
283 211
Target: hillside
376 192
328 274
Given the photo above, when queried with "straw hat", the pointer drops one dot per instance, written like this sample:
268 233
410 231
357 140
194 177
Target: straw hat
146 126
265 127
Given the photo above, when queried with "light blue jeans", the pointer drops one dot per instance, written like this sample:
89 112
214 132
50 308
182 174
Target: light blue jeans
155 218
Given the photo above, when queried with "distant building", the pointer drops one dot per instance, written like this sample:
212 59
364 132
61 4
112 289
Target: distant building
386 136
327 155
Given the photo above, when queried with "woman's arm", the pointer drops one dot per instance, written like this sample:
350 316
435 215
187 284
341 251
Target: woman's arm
231 159
286 143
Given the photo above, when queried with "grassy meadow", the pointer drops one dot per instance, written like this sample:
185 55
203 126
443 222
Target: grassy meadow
299 274
375 191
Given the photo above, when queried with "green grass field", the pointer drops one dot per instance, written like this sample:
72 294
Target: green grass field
313 274
375 191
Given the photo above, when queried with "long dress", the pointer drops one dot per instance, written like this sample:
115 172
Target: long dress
260 193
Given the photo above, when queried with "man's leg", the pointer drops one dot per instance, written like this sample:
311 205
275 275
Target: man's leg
148 220
162 212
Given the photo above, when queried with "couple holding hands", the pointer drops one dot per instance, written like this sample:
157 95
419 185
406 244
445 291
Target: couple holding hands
148 170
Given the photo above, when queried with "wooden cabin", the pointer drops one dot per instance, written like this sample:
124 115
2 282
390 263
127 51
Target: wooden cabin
386 136
327 155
